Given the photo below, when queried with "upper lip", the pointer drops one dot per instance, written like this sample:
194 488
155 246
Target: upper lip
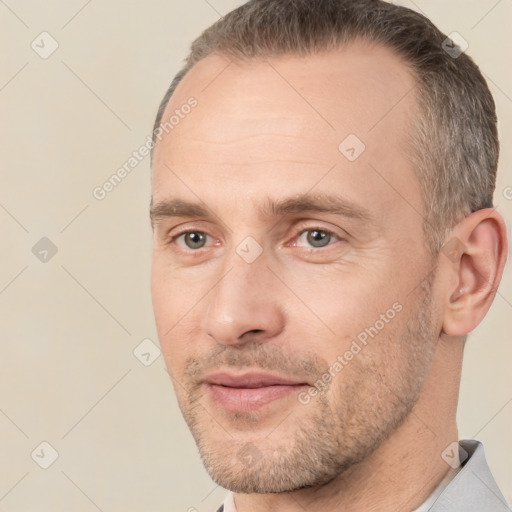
249 380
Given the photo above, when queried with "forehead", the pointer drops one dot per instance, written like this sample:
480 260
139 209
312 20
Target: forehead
284 122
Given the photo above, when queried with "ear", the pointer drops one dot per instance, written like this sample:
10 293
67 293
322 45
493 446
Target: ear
473 258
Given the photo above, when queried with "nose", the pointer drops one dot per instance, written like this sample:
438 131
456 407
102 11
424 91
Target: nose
244 304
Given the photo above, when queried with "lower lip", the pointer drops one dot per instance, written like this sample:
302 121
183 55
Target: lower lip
248 399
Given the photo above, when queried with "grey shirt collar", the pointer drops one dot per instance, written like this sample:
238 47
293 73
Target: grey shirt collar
473 489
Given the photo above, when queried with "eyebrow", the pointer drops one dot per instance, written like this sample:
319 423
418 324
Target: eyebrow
270 208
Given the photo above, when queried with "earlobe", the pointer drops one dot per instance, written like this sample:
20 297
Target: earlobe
474 274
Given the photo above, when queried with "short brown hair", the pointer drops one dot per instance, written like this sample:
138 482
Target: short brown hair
454 143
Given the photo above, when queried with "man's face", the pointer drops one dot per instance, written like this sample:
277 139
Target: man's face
255 311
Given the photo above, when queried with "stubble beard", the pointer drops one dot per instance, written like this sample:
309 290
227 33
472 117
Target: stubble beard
339 428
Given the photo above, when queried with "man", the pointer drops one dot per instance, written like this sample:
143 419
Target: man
324 241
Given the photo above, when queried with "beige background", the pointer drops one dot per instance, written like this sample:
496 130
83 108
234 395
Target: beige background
68 374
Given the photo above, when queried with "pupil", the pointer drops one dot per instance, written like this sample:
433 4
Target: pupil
195 238
314 238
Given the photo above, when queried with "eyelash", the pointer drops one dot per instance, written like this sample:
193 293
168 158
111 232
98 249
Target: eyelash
301 230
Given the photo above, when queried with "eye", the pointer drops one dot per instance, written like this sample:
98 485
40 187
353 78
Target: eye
193 240
316 237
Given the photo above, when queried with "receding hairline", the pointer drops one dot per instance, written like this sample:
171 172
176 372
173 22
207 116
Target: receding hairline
177 96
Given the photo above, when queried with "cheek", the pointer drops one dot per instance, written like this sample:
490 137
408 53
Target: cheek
172 297
171 311
177 348
342 299
351 318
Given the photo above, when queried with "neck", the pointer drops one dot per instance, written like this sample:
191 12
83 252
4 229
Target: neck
404 470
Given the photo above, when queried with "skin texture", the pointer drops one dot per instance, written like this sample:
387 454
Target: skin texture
372 439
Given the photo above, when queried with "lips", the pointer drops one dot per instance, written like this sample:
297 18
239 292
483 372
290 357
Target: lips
249 380
249 391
